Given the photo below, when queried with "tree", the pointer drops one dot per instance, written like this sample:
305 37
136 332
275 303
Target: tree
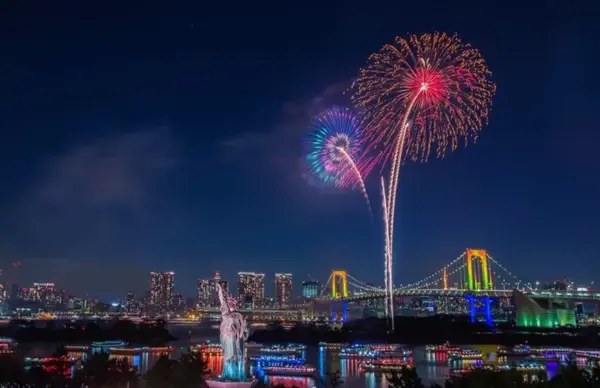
162 374
332 380
489 379
100 371
60 351
11 370
191 370
571 376
406 378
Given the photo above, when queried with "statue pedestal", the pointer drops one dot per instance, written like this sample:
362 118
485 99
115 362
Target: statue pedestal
230 384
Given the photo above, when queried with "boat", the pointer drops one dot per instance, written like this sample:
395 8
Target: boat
458 372
108 344
7 341
269 360
593 354
145 349
517 350
396 353
39 361
385 366
302 371
523 367
374 351
444 348
465 354
284 349
274 358
358 353
529 367
77 348
208 348
7 345
333 345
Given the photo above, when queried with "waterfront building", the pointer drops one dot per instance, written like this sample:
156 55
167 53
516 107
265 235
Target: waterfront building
283 289
310 289
162 285
251 289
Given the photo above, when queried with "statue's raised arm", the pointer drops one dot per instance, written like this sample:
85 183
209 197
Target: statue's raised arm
222 299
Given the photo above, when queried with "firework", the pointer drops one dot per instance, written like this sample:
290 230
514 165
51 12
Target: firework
387 272
420 94
334 147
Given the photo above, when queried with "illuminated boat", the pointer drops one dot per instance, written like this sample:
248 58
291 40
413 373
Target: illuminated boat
108 344
5 341
284 349
444 348
7 345
518 350
529 367
208 348
523 367
272 360
385 365
253 345
545 357
332 345
374 350
593 354
465 354
302 371
402 352
38 361
358 353
77 348
133 351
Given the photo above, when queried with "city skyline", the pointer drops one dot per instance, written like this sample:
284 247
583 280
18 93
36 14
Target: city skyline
178 155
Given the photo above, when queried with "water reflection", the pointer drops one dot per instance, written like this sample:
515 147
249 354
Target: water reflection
431 366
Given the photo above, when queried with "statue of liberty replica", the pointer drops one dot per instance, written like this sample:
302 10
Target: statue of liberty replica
233 333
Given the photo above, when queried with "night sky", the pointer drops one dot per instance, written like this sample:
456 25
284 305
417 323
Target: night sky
140 138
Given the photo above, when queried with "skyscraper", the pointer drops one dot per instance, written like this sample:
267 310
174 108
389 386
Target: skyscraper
203 293
310 289
283 289
251 289
214 301
206 291
161 290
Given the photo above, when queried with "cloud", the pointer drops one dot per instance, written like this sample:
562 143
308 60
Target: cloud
280 149
113 171
96 200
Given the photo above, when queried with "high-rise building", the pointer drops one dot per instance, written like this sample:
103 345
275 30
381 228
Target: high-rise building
206 291
283 289
251 289
161 290
310 289
132 305
203 293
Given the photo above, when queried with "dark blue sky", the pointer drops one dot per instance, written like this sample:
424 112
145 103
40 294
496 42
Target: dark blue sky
146 138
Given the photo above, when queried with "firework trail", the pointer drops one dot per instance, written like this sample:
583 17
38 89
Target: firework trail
334 146
389 302
422 93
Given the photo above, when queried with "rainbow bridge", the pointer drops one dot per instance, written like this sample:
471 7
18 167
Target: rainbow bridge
474 275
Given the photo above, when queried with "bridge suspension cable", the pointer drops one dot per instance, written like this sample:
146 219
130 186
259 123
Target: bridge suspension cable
436 275
473 270
362 285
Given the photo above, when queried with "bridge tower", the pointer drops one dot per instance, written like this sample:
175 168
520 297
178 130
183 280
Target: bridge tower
445 279
342 277
478 280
